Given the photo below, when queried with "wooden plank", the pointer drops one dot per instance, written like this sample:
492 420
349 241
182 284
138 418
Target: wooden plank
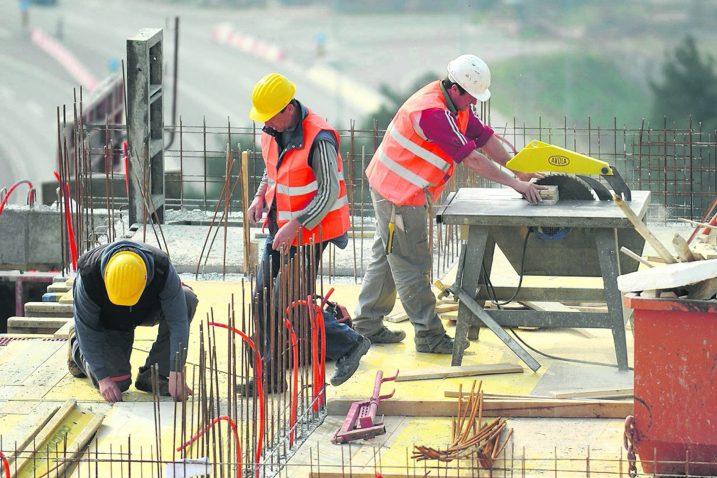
45 377
502 396
462 371
397 317
668 276
58 417
495 407
34 430
595 393
30 355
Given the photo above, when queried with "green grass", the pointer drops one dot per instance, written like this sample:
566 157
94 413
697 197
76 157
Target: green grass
566 84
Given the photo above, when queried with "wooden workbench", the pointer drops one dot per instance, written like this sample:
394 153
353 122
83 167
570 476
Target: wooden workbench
593 230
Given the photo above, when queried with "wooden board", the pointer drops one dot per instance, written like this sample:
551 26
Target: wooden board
496 407
595 393
668 276
462 371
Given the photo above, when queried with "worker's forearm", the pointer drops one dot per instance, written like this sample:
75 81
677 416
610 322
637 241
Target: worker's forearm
494 149
489 170
263 185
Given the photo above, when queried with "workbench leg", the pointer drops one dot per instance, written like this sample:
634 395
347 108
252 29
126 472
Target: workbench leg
606 242
475 249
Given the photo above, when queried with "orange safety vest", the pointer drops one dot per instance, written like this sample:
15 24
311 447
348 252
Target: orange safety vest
294 184
406 166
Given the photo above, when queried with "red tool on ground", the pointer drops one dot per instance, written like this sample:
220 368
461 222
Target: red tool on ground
359 422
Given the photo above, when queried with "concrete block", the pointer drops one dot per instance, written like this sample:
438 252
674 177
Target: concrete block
35 325
58 287
48 309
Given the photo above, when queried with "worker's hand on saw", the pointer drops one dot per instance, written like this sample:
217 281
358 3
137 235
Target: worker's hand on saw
178 388
109 390
256 208
530 191
286 234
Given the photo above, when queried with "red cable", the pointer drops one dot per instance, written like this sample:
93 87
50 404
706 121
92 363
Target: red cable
295 380
68 220
206 429
5 465
9 192
257 382
322 369
314 358
317 369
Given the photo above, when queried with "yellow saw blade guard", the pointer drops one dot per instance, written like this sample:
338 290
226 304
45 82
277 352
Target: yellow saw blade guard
539 157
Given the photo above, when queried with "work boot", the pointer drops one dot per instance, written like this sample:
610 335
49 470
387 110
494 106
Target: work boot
347 365
246 389
144 383
440 344
386 336
72 366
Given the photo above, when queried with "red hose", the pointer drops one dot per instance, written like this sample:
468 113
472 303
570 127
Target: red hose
318 369
9 192
68 220
294 382
206 429
5 465
257 382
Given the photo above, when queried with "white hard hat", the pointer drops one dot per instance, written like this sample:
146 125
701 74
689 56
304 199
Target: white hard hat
472 74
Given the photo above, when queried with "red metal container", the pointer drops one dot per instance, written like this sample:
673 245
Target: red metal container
675 384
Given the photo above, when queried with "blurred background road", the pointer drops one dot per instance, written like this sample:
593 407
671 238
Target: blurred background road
561 58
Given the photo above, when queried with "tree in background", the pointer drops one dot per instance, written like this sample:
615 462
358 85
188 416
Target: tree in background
395 99
688 87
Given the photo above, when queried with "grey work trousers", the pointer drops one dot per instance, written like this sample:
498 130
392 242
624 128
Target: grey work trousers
119 343
405 270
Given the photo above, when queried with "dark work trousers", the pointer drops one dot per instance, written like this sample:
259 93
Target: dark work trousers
340 338
118 347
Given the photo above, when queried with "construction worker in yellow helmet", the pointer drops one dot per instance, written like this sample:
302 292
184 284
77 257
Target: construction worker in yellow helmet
304 195
118 287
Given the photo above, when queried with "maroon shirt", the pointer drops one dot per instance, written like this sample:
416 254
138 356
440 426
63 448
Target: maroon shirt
440 126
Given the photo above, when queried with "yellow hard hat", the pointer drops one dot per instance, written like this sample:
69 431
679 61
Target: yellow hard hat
269 96
125 278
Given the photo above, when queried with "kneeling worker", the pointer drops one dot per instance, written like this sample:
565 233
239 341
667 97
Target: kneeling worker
118 287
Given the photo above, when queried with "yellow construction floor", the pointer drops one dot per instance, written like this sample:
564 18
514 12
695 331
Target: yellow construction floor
33 380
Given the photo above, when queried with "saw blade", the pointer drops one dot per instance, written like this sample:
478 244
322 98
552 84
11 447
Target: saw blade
569 187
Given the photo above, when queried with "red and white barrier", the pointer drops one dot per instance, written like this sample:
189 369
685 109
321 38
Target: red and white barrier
65 58
226 35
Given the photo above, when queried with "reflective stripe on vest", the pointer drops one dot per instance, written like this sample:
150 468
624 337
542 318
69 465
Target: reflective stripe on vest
338 204
416 149
406 166
293 186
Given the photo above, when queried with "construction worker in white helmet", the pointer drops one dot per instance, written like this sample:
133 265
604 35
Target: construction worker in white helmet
118 287
434 130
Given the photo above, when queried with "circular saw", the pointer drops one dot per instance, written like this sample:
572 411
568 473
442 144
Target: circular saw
577 172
